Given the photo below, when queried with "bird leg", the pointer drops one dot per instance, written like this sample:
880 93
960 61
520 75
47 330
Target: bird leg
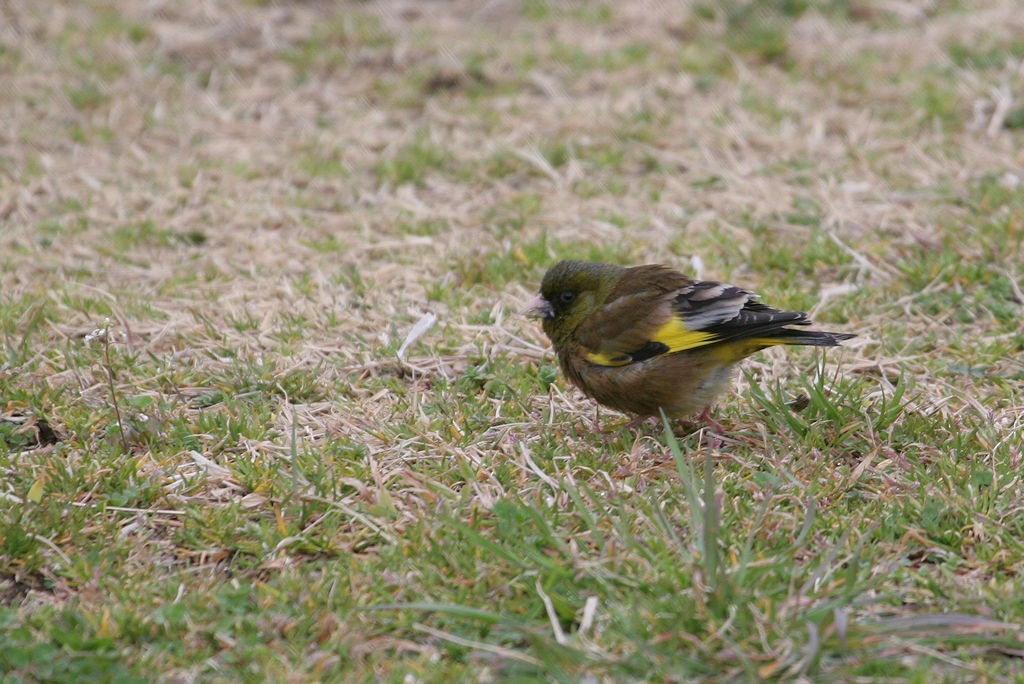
713 425
715 429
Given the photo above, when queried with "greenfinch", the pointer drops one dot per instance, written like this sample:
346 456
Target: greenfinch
647 339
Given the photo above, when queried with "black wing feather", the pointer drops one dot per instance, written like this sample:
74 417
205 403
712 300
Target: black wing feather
732 313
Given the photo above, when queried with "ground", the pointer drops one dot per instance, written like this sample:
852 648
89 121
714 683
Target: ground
270 410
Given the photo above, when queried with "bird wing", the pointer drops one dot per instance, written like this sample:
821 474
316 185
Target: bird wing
655 310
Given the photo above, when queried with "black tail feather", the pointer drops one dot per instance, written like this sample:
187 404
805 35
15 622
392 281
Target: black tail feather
814 338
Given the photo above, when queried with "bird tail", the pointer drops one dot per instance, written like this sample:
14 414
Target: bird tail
734 350
813 338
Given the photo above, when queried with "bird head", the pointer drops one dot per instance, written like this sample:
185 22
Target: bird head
569 292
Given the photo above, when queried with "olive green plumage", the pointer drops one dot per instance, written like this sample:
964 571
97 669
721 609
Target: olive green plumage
648 339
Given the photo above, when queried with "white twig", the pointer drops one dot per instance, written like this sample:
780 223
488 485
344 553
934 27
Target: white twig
478 645
589 611
1003 99
56 549
1018 296
860 258
556 626
537 471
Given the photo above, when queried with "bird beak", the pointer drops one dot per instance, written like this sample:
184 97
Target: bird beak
539 308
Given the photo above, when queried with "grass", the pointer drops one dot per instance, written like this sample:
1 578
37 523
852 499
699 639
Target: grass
238 478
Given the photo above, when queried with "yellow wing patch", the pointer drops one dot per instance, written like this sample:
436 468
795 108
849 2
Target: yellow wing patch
599 359
674 335
678 337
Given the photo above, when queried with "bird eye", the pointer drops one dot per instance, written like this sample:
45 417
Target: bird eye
566 297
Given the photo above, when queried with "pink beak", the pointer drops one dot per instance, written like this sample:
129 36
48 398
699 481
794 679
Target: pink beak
539 308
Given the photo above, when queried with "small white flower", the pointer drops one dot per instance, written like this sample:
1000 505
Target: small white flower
102 333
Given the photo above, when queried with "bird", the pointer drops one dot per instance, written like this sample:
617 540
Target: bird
647 340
